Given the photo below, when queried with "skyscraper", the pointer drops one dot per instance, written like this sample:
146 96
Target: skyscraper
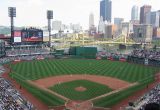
159 17
106 10
101 26
91 20
134 13
154 18
143 12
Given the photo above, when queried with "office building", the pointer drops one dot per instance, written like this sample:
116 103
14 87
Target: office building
109 31
101 26
134 13
143 12
91 20
142 33
134 22
75 27
106 10
156 32
118 24
153 18
159 17
56 25
127 28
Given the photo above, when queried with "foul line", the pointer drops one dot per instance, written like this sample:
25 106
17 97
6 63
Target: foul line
115 91
47 90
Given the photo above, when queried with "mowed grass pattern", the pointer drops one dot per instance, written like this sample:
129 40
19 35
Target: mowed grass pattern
67 89
45 68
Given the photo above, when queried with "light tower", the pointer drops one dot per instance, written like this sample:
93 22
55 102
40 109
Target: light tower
49 17
12 14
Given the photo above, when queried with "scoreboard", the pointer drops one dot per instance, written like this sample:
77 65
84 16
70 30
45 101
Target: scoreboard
28 35
32 35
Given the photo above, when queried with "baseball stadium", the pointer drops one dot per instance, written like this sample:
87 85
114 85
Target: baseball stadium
116 67
83 79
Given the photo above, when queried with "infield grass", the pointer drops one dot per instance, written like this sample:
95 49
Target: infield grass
67 89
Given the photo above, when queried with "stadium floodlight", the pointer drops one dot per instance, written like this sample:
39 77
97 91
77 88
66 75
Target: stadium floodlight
12 14
12 11
49 14
49 17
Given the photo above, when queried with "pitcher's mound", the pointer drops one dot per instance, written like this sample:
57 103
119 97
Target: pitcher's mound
80 89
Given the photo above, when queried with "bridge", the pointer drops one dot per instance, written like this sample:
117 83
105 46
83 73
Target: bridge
83 40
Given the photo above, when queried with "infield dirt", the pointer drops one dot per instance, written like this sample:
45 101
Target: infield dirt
112 83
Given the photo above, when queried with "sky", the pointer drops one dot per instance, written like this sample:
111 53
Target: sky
33 12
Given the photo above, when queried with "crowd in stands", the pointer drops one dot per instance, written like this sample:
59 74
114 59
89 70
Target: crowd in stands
113 55
150 54
152 97
30 51
4 60
29 57
2 69
11 99
140 53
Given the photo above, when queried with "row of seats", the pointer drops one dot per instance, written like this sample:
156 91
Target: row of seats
150 54
29 57
148 100
11 99
107 54
26 51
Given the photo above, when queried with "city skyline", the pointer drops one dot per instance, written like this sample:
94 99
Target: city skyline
33 12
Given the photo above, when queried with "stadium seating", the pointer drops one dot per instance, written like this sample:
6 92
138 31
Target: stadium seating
152 96
150 54
28 57
11 99
31 51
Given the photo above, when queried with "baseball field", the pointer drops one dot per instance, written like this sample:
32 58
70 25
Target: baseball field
105 83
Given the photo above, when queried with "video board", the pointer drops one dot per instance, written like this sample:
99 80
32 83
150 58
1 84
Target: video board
17 36
32 35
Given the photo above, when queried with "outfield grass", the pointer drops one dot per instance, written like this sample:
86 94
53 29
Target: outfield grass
67 89
45 68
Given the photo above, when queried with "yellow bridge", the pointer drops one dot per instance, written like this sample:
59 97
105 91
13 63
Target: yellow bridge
82 40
